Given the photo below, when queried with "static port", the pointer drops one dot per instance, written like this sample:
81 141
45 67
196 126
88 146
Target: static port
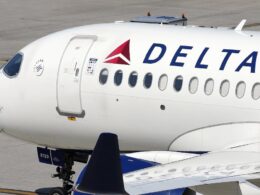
162 107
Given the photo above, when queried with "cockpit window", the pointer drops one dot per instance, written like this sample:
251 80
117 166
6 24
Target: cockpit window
12 68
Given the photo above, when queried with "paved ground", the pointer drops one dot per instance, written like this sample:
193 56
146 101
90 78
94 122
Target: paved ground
24 21
19 167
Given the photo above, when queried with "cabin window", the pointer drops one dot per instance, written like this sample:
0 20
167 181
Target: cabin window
133 79
177 85
12 68
118 77
240 89
224 88
148 79
193 86
256 91
209 86
103 76
163 80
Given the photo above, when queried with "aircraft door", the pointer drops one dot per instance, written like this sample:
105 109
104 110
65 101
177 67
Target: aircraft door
69 76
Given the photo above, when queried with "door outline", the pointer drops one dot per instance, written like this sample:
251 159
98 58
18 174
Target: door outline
82 114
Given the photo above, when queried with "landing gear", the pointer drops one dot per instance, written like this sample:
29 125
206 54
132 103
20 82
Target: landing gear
65 173
57 191
64 160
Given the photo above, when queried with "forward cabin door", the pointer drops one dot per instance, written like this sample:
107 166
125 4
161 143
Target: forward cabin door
69 76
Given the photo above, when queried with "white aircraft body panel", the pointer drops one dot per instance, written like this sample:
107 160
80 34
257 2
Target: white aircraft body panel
143 119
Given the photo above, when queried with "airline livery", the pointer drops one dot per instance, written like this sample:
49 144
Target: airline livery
181 103
249 61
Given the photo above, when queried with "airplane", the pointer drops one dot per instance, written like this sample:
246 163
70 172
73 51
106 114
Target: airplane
181 100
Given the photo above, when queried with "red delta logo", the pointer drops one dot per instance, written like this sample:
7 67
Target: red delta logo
121 55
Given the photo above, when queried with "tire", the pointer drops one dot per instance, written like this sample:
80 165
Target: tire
57 191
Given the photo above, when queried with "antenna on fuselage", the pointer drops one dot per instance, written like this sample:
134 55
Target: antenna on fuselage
241 25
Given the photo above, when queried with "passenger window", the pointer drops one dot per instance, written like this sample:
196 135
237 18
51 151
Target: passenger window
163 80
133 79
256 91
148 79
178 83
103 76
224 88
209 86
240 90
193 86
12 68
118 77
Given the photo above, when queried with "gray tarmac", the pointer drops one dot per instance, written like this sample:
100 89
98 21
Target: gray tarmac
21 22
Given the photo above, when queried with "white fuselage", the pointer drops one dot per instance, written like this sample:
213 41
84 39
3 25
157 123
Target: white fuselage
144 119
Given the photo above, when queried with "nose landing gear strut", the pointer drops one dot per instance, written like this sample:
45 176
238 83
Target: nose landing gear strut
64 160
65 173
